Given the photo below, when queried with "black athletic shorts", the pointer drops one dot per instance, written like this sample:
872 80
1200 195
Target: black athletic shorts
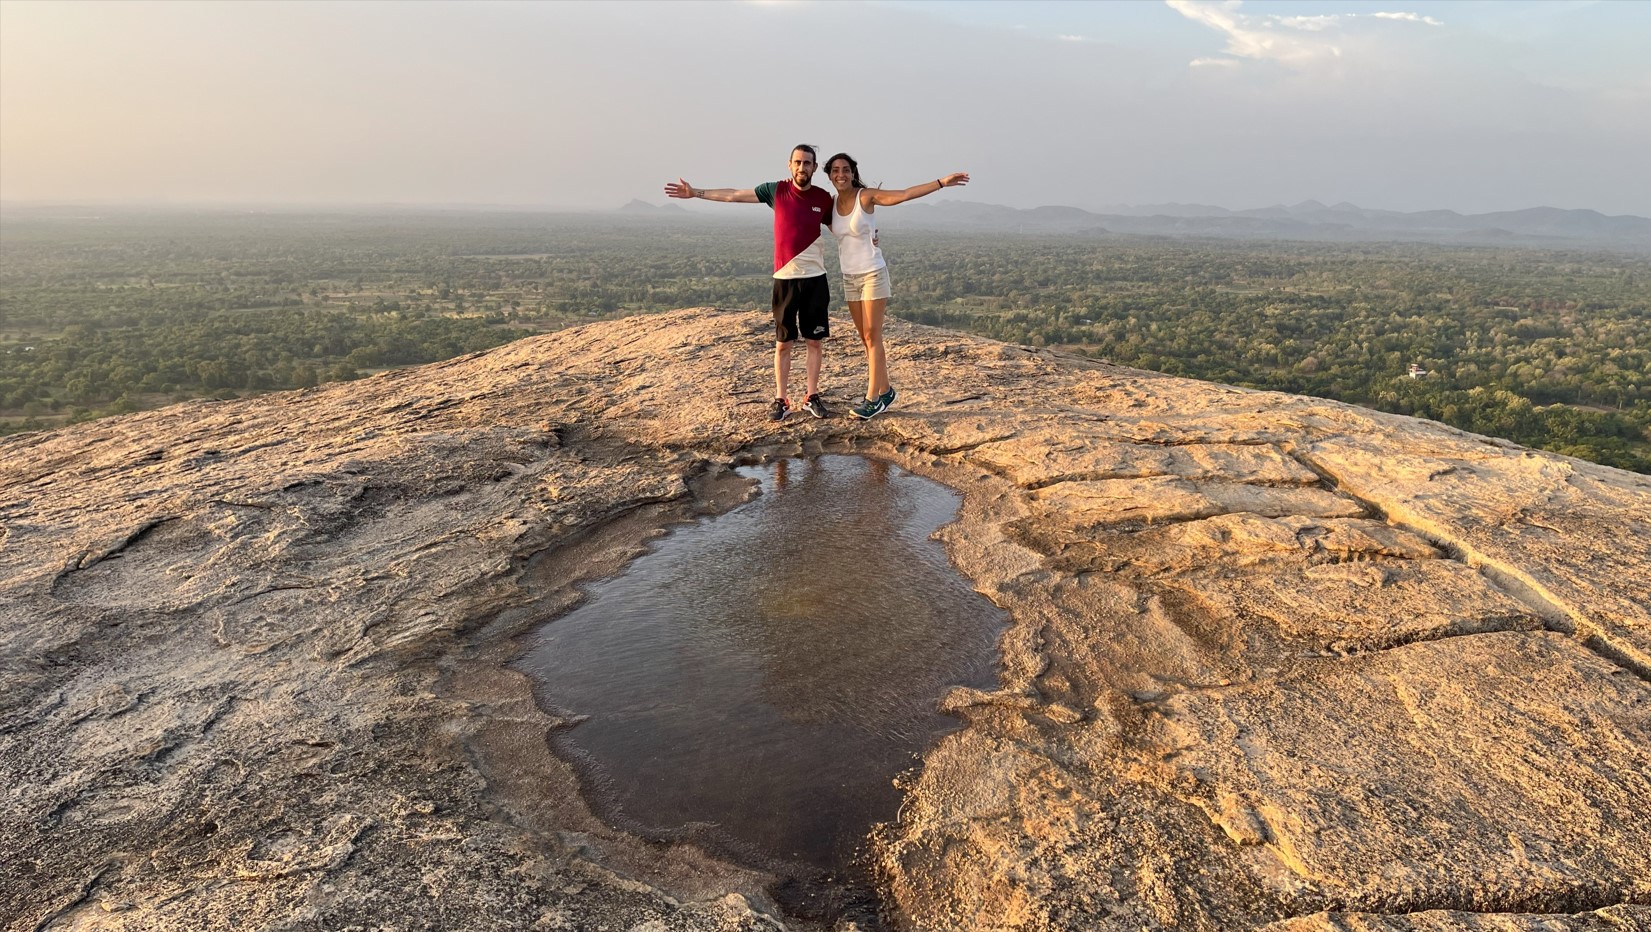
801 302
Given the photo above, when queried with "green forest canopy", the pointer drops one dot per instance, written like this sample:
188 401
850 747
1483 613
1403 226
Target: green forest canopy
123 311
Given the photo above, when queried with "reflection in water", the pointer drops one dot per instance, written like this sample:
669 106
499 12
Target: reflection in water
757 681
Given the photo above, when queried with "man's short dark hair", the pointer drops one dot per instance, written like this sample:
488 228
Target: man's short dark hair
809 149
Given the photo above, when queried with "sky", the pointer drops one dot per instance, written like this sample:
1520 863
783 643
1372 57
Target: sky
1394 104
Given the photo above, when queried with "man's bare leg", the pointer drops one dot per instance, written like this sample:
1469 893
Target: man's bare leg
782 369
816 355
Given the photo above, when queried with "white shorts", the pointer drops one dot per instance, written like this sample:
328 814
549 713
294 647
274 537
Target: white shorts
867 286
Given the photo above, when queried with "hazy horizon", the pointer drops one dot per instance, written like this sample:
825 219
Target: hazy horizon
579 107
696 211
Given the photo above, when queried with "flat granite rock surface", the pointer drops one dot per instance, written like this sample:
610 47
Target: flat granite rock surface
1273 662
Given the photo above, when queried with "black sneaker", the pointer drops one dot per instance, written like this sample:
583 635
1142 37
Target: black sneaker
778 410
815 405
887 398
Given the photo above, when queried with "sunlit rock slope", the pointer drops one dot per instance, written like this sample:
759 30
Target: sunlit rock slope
1274 662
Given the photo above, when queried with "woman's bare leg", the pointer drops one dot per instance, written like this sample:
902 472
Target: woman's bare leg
857 310
871 333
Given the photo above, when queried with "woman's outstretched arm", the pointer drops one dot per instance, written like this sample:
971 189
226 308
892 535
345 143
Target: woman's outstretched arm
882 198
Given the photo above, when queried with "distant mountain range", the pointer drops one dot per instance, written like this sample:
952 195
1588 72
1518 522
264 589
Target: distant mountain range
1308 220
642 208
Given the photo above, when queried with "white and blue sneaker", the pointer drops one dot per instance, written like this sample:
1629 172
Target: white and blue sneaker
870 408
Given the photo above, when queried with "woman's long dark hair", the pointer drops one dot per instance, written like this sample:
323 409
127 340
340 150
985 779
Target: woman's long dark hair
853 166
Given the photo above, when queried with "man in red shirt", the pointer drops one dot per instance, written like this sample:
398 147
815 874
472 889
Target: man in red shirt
801 295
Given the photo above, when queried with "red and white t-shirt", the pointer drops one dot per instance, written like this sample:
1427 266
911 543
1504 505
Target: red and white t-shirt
797 219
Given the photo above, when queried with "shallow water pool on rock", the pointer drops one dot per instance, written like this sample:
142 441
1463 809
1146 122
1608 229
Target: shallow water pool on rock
757 680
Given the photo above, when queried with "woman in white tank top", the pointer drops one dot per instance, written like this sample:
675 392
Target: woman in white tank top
865 273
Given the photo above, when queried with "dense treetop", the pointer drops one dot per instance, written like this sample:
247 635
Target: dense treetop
101 313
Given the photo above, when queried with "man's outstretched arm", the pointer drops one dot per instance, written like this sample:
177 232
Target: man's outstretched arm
684 190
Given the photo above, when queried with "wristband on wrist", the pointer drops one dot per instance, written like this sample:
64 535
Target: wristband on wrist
942 184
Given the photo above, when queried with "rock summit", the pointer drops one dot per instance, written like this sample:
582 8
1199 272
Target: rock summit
1273 662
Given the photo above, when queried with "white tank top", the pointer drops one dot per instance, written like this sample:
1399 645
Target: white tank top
854 234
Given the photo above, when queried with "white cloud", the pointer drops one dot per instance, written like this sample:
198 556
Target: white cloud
1072 38
1295 41
1214 62
1249 37
1409 18
1307 23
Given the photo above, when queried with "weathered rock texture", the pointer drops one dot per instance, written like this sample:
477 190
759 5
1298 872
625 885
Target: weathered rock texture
1274 662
